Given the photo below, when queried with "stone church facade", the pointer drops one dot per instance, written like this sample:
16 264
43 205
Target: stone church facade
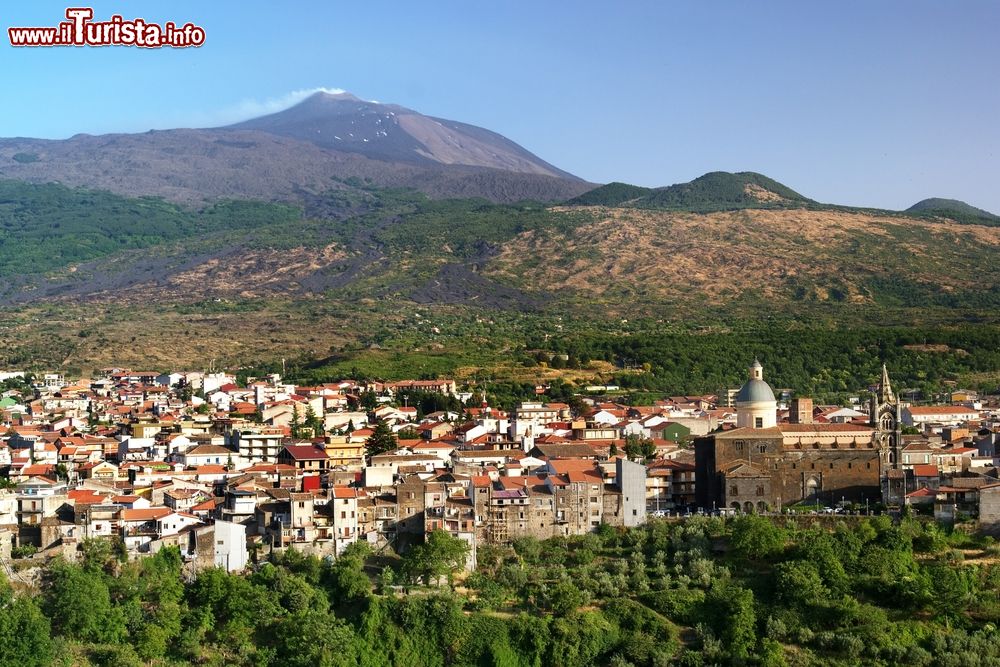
766 468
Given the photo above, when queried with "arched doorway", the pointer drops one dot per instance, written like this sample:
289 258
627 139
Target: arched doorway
748 507
812 487
761 506
735 506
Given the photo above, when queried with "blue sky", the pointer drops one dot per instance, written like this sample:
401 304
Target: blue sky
852 102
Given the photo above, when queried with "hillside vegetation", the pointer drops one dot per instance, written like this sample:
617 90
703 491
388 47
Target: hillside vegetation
955 210
50 226
749 590
714 191
749 260
99 279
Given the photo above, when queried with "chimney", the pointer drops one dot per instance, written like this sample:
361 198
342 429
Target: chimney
801 411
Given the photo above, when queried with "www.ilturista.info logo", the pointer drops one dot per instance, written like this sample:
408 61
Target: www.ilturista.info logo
81 30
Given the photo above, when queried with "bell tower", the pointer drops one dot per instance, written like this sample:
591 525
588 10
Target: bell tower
885 417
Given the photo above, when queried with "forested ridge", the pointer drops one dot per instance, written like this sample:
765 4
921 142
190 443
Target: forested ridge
707 591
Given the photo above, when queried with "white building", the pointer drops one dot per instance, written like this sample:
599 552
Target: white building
938 415
230 546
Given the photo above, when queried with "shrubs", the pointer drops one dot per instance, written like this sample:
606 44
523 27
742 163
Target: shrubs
24 551
854 596
754 537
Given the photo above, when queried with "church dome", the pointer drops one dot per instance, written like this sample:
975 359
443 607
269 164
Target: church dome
755 391
755 404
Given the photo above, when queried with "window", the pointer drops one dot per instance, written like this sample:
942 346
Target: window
734 490
760 489
762 449
831 466
738 445
758 422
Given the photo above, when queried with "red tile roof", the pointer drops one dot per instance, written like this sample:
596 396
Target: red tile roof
305 453
931 410
147 514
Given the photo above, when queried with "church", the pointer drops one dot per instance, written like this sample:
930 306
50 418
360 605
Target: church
762 465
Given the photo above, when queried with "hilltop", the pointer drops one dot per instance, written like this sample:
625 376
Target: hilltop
953 209
392 133
714 191
326 142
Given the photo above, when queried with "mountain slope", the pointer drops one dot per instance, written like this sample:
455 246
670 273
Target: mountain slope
294 154
97 276
401 246
774 261
714 191
393 133
612 194
954 209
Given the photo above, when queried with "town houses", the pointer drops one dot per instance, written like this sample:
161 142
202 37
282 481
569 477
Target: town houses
225 470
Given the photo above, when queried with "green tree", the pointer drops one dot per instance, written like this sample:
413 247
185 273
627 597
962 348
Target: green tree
566 597
798 584
381 440
369 401
183 390
79 604
735 617
313 421
346 579
25 639
314 638
755 537
638 448
295 425
441 555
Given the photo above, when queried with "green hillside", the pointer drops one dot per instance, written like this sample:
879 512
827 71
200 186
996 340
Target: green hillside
955 209
612 194
47 227
715 191
720 190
